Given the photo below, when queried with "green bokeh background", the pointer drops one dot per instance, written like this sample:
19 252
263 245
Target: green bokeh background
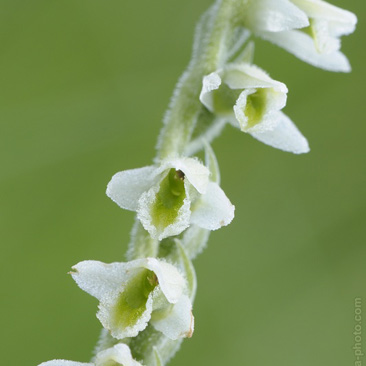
84 84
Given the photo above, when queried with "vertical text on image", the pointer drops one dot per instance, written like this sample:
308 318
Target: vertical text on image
357 348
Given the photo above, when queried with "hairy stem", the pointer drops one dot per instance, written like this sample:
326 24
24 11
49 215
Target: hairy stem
209 48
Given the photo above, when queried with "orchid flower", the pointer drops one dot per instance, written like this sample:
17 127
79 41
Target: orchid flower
119 354
318 40
170 196
328 23
132 294
248 97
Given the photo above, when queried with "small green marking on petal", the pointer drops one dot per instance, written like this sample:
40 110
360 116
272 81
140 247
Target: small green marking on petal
132 301
255 107
112 363
169 199
224 99
311 31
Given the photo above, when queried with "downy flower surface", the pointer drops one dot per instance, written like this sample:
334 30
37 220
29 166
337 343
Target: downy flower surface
309 29
272 16
246 95
132 294
119 354
172 195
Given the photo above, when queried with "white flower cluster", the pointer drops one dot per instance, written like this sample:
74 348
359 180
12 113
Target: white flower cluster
179 191
245 96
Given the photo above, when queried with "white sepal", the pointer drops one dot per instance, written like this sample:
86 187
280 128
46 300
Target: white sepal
302 46
125 188
341 22
213 210
285 136
170 280
210 83
196 173
273 16
178 322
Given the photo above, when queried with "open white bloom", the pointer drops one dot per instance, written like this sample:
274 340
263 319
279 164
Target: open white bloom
318 44
172 195
119 354
132 294
246 95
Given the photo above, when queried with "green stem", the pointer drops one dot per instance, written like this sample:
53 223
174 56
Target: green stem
209 51
208 55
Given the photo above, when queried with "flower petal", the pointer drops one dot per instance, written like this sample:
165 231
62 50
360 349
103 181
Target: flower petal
273 16
213 210
120 353
302 46
64 363
170 280
179 322
247 76
126 187
196 173
285 136
323 40
210 82
343 19
102 280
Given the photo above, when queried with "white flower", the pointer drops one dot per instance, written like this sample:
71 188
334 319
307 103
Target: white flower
172 195
272 16
132 294
318 44
245 94
119 354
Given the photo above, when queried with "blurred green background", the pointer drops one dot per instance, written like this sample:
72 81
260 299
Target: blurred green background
84 85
